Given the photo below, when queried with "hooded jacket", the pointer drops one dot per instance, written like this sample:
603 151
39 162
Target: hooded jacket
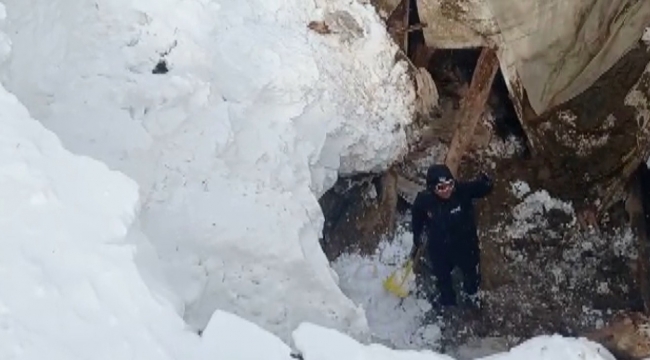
447 222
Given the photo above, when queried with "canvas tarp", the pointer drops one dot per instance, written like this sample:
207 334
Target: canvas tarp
554 49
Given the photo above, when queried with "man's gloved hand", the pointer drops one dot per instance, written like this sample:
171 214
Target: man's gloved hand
485 178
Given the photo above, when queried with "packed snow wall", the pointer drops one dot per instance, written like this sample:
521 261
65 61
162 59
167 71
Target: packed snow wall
70 287
232 145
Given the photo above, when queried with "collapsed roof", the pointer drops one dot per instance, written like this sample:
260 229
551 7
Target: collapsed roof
549 50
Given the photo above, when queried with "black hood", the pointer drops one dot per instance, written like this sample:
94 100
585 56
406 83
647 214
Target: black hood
437 174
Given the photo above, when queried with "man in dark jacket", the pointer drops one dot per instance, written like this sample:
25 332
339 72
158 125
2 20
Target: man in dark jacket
444 212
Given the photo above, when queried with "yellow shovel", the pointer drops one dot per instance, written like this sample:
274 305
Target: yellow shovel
396 282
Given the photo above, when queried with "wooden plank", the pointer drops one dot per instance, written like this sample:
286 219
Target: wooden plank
407 14
472 107
422 55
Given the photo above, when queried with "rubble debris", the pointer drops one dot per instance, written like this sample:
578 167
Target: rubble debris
627 336
319 27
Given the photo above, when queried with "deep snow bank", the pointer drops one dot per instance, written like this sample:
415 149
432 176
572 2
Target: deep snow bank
225 337
232 146
555 348
70 288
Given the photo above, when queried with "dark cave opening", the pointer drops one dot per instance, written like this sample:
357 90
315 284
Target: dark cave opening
452 70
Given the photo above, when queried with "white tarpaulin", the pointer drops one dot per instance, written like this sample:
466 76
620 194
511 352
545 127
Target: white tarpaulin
555 49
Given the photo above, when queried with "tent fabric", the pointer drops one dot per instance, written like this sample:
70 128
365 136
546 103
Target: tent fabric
554 49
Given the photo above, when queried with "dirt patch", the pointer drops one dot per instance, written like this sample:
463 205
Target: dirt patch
586 141
359 212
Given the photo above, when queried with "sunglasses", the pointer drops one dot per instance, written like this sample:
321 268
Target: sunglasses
445 185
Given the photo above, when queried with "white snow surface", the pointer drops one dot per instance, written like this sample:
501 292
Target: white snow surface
317 343
223 336
232 146
393 323
70 287
555 348
530 212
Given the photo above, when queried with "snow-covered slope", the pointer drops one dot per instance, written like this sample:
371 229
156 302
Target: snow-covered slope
70 287
233 145
317 343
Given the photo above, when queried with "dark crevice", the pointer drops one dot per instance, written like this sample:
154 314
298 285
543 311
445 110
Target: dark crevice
416 37
160 68
452 69
644 180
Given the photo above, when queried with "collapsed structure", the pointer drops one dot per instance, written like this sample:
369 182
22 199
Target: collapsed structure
575 72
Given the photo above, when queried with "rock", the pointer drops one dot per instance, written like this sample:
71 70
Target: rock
591 144
627 336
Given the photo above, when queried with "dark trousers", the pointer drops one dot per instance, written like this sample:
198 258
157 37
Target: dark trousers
441 261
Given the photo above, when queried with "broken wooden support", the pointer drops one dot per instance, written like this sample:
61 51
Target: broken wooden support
397 24
426 92
422 55
407 15
472 107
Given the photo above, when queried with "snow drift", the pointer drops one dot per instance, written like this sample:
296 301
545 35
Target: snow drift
232 146
70 287
317 343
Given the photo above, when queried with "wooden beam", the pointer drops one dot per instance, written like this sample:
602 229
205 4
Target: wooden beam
407 14
472 107
422 55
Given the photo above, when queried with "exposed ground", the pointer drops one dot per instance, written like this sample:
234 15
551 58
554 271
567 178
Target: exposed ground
542 274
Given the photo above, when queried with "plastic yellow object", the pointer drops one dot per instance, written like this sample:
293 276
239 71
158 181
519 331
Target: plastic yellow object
396 283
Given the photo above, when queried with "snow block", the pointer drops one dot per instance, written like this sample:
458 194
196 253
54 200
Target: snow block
555 348
232 146
70 289
318 343
228 336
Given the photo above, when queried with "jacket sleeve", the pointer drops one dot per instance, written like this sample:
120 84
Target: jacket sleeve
418 217
478 188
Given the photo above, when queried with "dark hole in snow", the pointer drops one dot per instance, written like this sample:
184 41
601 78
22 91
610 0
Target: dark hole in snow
452 69
644 175
558 218
358 212
415 38
403 207
160 68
